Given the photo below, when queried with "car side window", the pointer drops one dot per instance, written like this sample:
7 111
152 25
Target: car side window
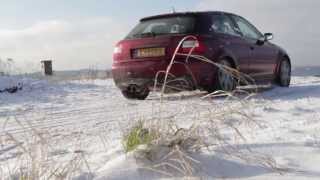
247 29
223 24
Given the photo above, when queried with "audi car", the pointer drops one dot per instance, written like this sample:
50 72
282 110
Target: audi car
142 58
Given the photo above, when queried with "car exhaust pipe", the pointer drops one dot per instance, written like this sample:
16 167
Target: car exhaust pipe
133 88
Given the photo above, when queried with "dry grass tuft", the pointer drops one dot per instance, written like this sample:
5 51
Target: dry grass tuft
171 150
37 157
166 148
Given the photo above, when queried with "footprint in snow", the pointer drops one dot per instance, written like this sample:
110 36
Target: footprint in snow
271 109
302 110
295 131
59 152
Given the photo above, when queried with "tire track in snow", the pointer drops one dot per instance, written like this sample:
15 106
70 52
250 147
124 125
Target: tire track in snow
94 107
88 113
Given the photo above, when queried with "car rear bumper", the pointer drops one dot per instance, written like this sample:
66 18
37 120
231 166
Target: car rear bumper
143 72
123 84
140 73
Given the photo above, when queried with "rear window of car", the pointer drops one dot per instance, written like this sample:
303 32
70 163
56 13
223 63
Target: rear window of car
163 26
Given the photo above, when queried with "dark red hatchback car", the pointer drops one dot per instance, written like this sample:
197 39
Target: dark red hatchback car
224 38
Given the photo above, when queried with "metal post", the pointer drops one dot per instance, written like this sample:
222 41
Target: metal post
47 67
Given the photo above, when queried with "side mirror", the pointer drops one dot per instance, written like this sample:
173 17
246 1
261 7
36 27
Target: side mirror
268 36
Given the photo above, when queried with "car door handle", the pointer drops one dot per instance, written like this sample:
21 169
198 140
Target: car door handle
251 47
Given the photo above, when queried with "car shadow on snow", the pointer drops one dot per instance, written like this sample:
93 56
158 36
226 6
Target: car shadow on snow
269 92
242 92
177 96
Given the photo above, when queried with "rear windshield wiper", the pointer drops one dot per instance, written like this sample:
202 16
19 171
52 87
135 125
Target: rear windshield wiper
147 34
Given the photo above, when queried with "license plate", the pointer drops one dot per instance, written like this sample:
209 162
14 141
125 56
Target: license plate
149 52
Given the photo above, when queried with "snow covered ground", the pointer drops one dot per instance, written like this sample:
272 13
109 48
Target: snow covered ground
95 114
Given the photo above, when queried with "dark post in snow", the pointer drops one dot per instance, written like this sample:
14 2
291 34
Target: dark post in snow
47 67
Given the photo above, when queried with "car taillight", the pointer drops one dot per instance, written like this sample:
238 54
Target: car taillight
117 49
196 45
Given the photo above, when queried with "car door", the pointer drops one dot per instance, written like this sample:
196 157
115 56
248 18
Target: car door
262 53
231 42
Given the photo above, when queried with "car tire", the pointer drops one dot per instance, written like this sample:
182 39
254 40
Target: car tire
136 95
224 80
284 73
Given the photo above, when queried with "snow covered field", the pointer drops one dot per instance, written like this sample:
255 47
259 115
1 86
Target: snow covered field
90 116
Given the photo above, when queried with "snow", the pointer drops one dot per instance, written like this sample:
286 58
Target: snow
96 114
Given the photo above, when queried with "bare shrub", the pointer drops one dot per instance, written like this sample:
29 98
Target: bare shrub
7 67
10 67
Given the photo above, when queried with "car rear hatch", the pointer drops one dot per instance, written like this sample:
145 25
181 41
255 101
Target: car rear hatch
149 47
154 37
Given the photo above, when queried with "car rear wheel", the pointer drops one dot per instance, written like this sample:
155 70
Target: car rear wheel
284 73
224 79
133 93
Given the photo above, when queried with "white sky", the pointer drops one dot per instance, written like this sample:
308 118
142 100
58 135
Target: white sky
74 41
71 45
295 23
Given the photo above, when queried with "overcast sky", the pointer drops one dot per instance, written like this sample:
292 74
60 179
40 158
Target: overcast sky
81 33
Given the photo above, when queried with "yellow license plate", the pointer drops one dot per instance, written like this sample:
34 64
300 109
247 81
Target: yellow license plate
150 52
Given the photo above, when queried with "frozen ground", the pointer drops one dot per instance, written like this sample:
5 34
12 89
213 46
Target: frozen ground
96 114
